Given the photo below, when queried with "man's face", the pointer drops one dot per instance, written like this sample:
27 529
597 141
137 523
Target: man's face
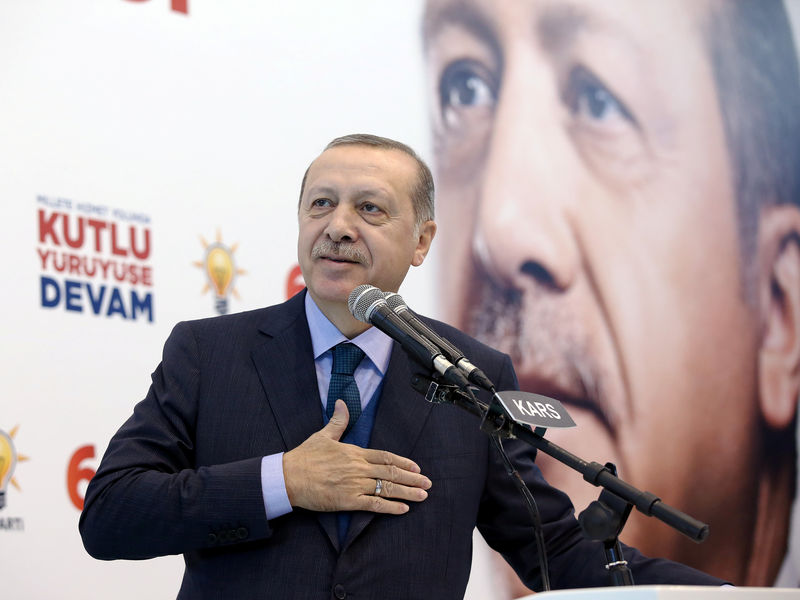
590 231
356 222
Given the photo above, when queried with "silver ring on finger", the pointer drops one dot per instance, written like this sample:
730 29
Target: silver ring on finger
378 487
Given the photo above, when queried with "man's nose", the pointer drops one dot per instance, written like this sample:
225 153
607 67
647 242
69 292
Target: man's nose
341 225
525 230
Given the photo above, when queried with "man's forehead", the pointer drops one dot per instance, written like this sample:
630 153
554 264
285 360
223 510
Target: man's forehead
362 166
360 156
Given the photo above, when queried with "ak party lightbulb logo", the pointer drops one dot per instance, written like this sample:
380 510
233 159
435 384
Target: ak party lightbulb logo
8 463
221 271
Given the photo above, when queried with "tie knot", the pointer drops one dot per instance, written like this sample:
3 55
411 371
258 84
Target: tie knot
346 357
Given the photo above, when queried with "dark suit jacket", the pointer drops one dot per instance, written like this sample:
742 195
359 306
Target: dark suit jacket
182 475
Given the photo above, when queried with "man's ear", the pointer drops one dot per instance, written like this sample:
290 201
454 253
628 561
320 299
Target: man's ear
779 298
427 231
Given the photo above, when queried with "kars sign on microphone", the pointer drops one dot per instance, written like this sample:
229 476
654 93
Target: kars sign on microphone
535 409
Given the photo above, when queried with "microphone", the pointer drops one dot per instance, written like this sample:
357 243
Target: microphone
473 373
368 305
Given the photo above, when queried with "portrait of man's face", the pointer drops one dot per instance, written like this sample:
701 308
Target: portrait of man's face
588 213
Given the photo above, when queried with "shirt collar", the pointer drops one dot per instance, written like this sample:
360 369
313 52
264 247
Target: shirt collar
324 335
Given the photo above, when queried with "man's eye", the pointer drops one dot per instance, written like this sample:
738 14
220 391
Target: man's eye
321 202
588 99
370 208
464 85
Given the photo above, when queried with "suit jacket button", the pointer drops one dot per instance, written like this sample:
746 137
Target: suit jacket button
241 533
212 539
338 591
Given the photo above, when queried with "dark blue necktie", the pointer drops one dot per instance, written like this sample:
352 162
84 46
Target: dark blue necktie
346 357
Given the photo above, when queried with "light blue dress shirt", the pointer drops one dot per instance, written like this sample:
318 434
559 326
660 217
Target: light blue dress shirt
377 347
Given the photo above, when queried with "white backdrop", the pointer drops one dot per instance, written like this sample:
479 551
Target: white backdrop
199 125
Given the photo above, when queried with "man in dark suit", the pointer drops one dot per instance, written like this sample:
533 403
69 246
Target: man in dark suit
245 457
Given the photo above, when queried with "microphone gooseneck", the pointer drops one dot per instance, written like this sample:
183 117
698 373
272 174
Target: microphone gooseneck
456 356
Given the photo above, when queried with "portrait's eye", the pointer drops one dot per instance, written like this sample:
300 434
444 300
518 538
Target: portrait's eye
465 86
589 100
606 133
370 208
320 203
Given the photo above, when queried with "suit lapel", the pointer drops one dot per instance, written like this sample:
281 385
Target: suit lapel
285 365
401 416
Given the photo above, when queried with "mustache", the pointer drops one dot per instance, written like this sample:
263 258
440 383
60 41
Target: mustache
548 344
342 250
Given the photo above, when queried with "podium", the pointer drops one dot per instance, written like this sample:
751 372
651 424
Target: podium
670 592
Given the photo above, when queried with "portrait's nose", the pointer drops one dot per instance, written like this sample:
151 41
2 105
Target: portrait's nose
523 228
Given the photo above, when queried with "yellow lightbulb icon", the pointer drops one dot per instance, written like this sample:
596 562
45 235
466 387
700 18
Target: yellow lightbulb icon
8 462
221 270
219 266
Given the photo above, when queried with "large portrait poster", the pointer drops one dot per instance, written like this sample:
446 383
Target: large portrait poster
627 175
618 201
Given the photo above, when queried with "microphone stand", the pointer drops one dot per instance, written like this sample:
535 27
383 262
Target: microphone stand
603 521
606 516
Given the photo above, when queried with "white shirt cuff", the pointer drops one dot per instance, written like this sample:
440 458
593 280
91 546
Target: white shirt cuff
273 486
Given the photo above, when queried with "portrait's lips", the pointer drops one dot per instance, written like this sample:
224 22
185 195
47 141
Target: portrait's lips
549 350
578 396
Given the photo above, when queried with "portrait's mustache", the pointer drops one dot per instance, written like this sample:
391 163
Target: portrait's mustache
547 344
341 250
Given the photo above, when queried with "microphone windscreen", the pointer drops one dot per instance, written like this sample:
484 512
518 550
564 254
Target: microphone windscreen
357 291
394 300
361 299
